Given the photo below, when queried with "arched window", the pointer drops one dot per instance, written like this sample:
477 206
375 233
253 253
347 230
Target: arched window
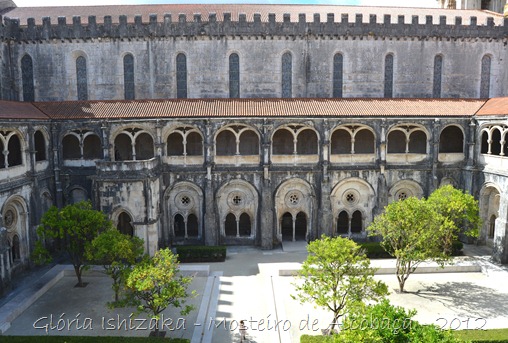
249 143
70 148
226 143
230 225
300 226
341 142
15 249
179 226
175 144
337 75
343 223
451 140
283 142
364 142
27 78
396 142
388 93
485 77
287 75
417 142
307 143
245 225
40 146
192 226
128 77
81 78
438 71
194 144
485 143
492 226
14 148
181 76
92 148
495 146
123 147
234 76
125 224
356 222
144 147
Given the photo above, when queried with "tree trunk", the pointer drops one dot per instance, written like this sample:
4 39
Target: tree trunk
77 269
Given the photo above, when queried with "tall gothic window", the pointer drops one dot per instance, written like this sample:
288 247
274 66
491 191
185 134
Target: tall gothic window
389 76
128 77
337 75
438 71
81 78
27 78
485 78
287 71
234 76
181 76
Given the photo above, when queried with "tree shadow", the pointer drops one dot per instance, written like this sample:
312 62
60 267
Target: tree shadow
467 299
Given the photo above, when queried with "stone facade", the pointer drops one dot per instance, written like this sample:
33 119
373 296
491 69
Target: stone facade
200 174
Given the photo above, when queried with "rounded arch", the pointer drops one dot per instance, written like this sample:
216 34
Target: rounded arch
451 139
183 139
71 146
92 146
407 138
237 138
403 189
132 142
41 145
16 220
285 139
490 199
76 194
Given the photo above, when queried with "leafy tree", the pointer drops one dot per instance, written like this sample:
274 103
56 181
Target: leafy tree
75 225
337 275
155 284
459 213
410 231
117 253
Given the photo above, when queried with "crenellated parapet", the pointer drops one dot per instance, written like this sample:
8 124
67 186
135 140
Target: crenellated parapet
182 26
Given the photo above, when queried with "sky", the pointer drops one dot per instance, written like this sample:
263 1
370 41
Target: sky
396 3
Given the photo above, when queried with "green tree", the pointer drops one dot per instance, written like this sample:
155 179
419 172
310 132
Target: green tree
410 231
116 252
459 213
337 276
76 226
155 284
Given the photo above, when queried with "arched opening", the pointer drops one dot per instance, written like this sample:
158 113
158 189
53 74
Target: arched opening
27 78
92 148
300 226
485 143
495 146
283 142
179 226
128 77
492 226
77 195
234 76
14 147
356 222
245 225
175 144
192 226
2 156
396 142
40 146
451 140
287 75
341 142
343 223
125 224
123 148
417 142
286 227
249 143
70 148
230 225
194 144
181 76
15 249
226 143
81 78
337 75
144 147
364 142
388 89
307 143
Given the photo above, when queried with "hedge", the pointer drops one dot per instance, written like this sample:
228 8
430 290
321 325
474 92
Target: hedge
375 250
201 253
87 339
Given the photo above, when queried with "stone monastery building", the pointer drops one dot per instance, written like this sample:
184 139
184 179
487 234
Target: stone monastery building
248 124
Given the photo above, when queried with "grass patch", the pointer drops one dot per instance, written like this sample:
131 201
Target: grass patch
87 339
494 335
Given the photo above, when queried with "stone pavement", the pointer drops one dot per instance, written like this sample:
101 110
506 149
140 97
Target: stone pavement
248 286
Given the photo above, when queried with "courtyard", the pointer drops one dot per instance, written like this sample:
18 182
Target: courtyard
249 286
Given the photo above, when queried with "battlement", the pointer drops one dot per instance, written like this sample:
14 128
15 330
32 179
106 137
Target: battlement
180 26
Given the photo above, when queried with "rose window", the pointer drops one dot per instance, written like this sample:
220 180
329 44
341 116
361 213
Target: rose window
402 196
185 200
237 200
294 199
350 198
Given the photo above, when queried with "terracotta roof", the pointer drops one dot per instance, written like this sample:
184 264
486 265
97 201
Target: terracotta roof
494 107
206 108
20 110
23 13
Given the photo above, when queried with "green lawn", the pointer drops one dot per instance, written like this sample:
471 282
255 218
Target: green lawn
497 335
82 339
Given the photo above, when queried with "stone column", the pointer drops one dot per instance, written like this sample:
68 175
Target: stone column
267 224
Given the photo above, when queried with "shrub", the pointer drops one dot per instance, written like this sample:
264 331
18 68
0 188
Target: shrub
457 247
374 250
201 254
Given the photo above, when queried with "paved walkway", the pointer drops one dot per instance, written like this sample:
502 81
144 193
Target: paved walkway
248 286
